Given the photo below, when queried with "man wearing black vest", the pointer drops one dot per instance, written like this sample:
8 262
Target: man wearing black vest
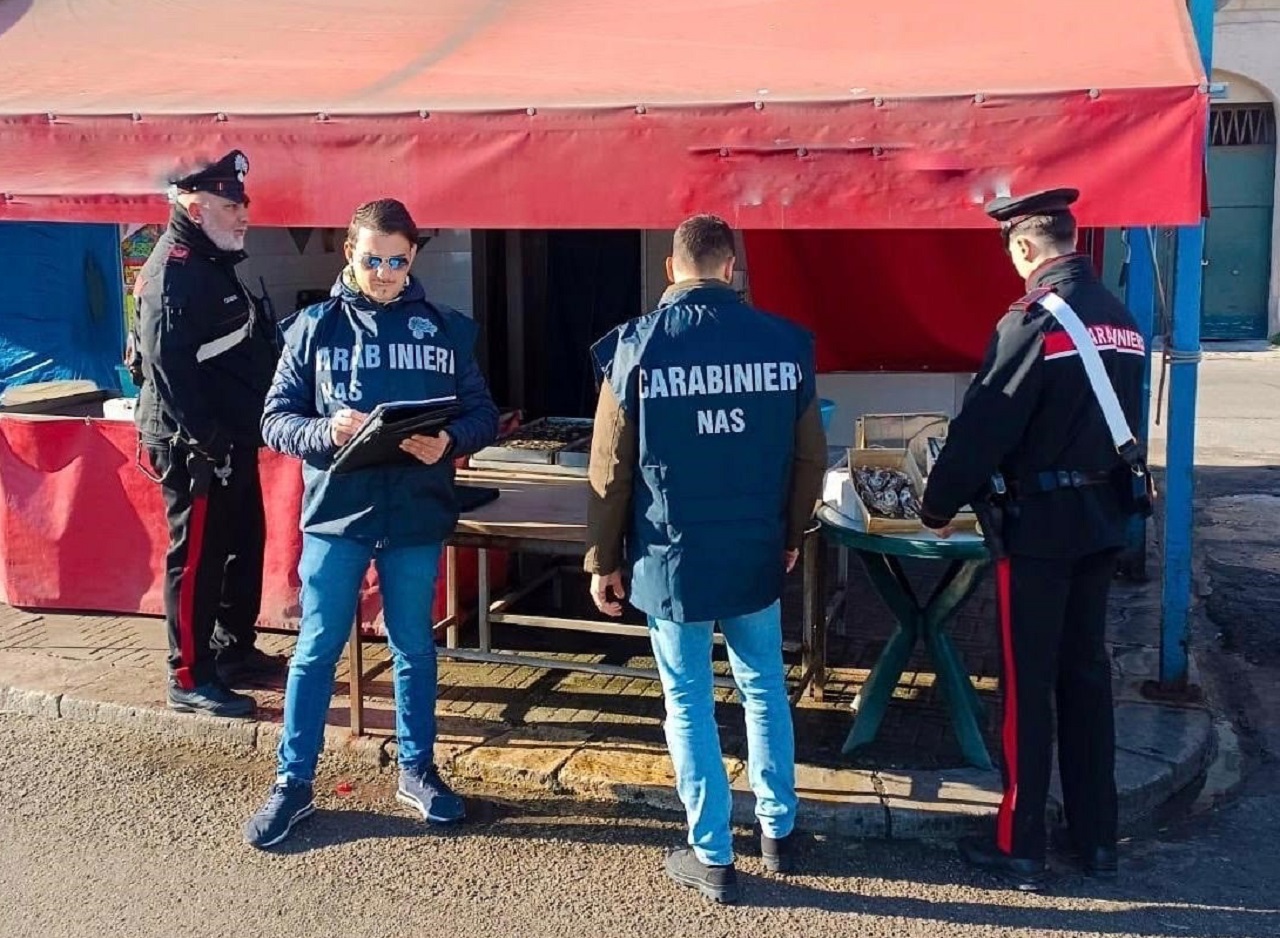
206 354
1065 483
706 462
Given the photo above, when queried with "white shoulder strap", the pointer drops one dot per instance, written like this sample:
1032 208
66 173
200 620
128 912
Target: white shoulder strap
1103 390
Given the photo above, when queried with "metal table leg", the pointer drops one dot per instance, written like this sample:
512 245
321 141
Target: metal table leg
451 595
355 680
814 651
482 598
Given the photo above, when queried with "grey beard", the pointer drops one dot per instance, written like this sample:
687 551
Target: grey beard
224 240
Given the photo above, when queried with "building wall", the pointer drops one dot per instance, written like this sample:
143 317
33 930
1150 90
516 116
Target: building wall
1246 45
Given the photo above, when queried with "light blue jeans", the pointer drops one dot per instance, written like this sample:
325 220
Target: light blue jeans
683 653
331 570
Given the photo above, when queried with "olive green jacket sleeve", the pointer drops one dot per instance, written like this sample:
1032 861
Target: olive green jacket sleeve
613 456
809 466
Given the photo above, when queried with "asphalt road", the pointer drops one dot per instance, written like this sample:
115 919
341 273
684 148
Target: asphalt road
106 830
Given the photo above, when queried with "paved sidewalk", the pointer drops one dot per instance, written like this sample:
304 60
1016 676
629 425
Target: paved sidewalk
601 737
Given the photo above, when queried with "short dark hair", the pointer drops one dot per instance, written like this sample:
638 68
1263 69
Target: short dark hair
385 216
703 242
1057 229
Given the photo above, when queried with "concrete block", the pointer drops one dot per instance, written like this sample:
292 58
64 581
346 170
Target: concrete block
625 770
528 758
928 805
36 703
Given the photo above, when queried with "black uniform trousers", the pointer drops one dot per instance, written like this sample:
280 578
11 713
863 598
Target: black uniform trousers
1053 617
213 568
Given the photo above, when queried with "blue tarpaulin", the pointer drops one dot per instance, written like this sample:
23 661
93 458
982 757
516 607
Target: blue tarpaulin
61 303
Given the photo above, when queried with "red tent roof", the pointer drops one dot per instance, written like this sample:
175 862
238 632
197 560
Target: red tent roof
585 113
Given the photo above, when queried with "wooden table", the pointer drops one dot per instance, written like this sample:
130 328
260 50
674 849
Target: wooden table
539 514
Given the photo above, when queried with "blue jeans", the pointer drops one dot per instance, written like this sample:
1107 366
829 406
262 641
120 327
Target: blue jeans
331 570
683 653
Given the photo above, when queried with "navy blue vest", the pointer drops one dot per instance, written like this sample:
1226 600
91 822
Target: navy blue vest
715 389
360 354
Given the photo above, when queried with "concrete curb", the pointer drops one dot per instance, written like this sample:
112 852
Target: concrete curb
1162 750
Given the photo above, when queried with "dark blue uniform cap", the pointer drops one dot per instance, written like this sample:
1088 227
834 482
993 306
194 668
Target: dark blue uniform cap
1010 210
224 178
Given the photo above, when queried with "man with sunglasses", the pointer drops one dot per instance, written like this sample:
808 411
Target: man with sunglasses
206 353
376 340
1040 433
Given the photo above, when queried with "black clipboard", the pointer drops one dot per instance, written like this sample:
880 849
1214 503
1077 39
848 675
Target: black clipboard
377 443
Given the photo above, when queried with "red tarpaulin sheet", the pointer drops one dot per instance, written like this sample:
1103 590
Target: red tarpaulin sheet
82 528
598 113
886 300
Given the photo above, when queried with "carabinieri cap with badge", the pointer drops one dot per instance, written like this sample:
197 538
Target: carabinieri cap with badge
1010 210
225 179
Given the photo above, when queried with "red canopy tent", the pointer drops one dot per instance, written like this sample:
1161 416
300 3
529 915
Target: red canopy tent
596 113
776 114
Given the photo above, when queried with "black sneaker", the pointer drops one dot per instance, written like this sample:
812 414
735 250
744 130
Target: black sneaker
1023 875
717 883
288 803
252 666
212 699
423 789
1097 862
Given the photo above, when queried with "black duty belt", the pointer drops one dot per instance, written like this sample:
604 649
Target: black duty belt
1053 480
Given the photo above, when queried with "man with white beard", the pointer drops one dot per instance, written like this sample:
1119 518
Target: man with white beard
205 354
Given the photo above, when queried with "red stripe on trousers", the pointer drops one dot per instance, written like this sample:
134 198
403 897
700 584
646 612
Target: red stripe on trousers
187 593
1009 733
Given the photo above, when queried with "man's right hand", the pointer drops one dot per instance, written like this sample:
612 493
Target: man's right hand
607 593
345 424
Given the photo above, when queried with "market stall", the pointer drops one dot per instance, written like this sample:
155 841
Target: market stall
802 122
544 515
82 527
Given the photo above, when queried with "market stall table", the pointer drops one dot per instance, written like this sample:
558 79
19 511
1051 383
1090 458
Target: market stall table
538 514
967 559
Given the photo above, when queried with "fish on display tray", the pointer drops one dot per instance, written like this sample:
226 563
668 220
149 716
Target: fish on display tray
537 442
887 493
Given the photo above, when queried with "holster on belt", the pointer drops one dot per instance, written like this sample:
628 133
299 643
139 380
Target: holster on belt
1137 490
991 511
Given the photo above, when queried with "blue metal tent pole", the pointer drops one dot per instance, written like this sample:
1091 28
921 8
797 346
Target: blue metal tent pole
1140 297
1184 359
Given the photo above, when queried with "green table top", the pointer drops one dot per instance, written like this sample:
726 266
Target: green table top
842 530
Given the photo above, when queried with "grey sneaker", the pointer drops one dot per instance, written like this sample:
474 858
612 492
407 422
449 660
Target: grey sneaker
288 803
422 789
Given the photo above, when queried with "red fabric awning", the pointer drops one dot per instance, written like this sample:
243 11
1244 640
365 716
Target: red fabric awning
596 113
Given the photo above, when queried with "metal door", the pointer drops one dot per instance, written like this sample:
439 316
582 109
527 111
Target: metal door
1237 272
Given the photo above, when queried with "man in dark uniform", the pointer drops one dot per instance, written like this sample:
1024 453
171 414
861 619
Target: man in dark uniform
1033 425
707 460
206 356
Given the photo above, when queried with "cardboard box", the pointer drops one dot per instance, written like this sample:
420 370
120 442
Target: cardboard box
840 493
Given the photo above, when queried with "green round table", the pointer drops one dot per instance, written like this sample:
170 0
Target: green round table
967 560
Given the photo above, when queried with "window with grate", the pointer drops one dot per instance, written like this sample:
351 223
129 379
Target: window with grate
1242 125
